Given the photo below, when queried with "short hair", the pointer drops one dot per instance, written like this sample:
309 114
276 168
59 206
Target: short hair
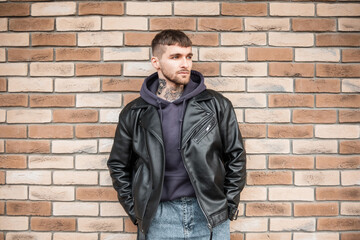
169 37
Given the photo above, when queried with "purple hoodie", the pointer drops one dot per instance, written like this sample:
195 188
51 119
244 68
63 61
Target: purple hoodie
176 183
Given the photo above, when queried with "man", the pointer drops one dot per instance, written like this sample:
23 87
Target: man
178 161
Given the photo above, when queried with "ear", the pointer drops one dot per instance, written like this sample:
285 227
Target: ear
155 63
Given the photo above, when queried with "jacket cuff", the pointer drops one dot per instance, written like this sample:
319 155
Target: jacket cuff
233 213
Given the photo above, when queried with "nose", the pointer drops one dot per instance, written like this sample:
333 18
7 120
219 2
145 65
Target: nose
185 62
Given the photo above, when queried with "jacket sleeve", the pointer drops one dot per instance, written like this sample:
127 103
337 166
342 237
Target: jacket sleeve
234 158
120 167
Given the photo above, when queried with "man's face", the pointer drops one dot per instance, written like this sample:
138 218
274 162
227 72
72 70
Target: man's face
174 64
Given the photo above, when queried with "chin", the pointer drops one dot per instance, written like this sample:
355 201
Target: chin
184 80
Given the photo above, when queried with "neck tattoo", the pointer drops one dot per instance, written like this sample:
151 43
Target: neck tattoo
169 93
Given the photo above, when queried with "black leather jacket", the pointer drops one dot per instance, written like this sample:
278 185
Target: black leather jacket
211 148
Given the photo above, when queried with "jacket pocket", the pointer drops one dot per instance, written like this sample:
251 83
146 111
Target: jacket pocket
205 129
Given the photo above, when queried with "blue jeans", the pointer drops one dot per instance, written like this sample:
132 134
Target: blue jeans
183 219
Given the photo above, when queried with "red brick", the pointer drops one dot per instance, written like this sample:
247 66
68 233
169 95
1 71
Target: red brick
2 210
113 84
129 226
204 39
349 116
291 69
101 8
30 55
296 100
3 85
31 24
138 39
313 25
75 115
338 194
337 70
2 177
208 69
317 85
338 40
269 178
268 209
130 97
253 130
53 224
96 69
350 147
314 116
220 24
95 131
316 209
270 54
52 101
96 194
53 39
183 24
13 161
13 131
338 224
291 162
13 100
14 9
50 131
338 162
28 208
351 55
350 236
25 146
286 131
78 54
329 100
236 236
244 9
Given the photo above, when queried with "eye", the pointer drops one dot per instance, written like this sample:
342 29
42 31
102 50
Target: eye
189 57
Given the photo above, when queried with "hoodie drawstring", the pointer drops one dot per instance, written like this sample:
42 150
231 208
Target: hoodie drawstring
161 113
182 113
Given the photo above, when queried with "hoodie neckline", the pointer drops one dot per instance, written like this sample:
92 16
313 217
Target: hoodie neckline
148 90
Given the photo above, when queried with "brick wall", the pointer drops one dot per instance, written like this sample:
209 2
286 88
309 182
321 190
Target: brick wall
291 70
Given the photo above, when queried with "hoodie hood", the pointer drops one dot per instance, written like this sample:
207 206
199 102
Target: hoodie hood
148 90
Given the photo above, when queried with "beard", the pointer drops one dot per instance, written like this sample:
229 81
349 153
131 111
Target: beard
177 78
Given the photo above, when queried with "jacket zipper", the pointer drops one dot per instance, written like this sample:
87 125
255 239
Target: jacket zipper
196 193
191 178
208 116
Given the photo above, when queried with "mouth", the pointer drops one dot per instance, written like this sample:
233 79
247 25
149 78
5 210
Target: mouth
184 72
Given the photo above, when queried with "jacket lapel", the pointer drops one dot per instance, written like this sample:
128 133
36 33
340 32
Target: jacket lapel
150 121
196 115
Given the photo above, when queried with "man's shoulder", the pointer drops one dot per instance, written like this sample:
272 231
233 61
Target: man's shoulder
136 103
212 94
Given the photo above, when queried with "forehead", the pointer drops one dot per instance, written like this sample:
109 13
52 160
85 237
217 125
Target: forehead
176 49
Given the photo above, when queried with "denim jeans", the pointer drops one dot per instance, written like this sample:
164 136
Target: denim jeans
183 219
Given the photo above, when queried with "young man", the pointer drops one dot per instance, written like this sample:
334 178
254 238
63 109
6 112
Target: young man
178 161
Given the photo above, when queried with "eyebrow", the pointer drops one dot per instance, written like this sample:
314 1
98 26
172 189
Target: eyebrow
176 54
